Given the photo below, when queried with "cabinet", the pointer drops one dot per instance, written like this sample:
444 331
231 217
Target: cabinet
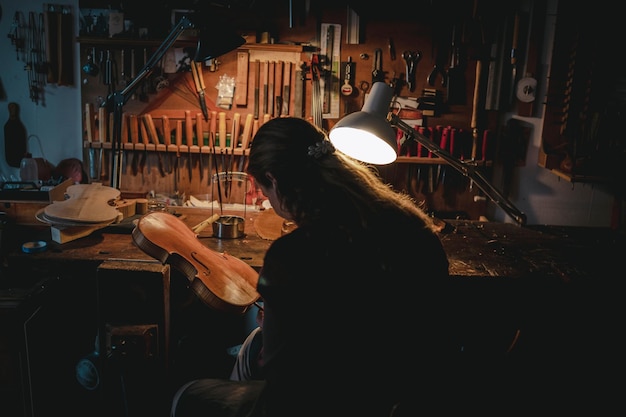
582 138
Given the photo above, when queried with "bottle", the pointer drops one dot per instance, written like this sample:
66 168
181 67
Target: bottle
15 141
28 168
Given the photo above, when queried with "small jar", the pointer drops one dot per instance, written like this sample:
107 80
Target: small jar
28 169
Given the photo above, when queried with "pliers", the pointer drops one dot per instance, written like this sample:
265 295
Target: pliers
438 70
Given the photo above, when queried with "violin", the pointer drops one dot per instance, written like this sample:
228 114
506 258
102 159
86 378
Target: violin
221 281
85 203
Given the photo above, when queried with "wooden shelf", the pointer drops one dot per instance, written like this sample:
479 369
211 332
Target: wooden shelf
434 161
595 179
188 41
130 41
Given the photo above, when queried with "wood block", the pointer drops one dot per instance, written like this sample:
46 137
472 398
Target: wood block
64 234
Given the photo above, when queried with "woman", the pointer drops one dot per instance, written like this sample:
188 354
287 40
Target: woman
346 294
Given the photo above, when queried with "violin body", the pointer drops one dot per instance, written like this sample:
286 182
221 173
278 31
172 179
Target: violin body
86 203
221 281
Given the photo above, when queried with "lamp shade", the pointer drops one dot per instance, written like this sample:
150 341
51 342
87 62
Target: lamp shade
216 40
366 135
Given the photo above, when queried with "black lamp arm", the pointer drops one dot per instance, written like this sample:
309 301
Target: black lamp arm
183 24
467 169
116 100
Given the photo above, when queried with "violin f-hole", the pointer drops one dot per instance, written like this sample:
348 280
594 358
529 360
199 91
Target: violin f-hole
193 255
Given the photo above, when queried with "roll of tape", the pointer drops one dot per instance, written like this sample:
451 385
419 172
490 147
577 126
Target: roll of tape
34 247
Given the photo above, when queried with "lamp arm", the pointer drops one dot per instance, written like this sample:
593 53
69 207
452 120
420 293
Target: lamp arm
467 169
183 24
115 101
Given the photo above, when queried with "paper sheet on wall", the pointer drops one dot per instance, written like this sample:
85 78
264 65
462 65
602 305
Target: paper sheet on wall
330 47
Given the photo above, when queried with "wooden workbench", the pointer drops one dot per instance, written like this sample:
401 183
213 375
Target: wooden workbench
475 249
543 293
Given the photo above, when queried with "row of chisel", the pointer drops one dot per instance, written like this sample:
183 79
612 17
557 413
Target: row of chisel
192 135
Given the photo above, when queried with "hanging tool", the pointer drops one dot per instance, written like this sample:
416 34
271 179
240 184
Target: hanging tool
271 73
441 56
154 137
299 91
257 82
179 145
286 88
169 146
364 86
328 67
200 142
265 72
221 126
514 53
411 58
392 50
278 86
245 141
90 130
377 70
198 79
189 140
347 89
456 73
134 138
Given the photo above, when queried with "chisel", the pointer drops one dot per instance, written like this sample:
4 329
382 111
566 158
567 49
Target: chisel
90 127
257 81
179 145
167 139
156 146
189 141
286 88
134 139
200 142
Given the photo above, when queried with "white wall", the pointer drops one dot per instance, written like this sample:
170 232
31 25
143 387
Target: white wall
541 195
57 121
544 197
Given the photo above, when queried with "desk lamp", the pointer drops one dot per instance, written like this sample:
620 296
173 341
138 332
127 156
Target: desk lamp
368 136
212 42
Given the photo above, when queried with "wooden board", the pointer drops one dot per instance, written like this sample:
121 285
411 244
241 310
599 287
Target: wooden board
87 203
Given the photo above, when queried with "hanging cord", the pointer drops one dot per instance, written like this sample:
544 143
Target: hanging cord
38 142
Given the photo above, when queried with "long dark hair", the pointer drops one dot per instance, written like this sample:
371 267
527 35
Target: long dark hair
316 182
